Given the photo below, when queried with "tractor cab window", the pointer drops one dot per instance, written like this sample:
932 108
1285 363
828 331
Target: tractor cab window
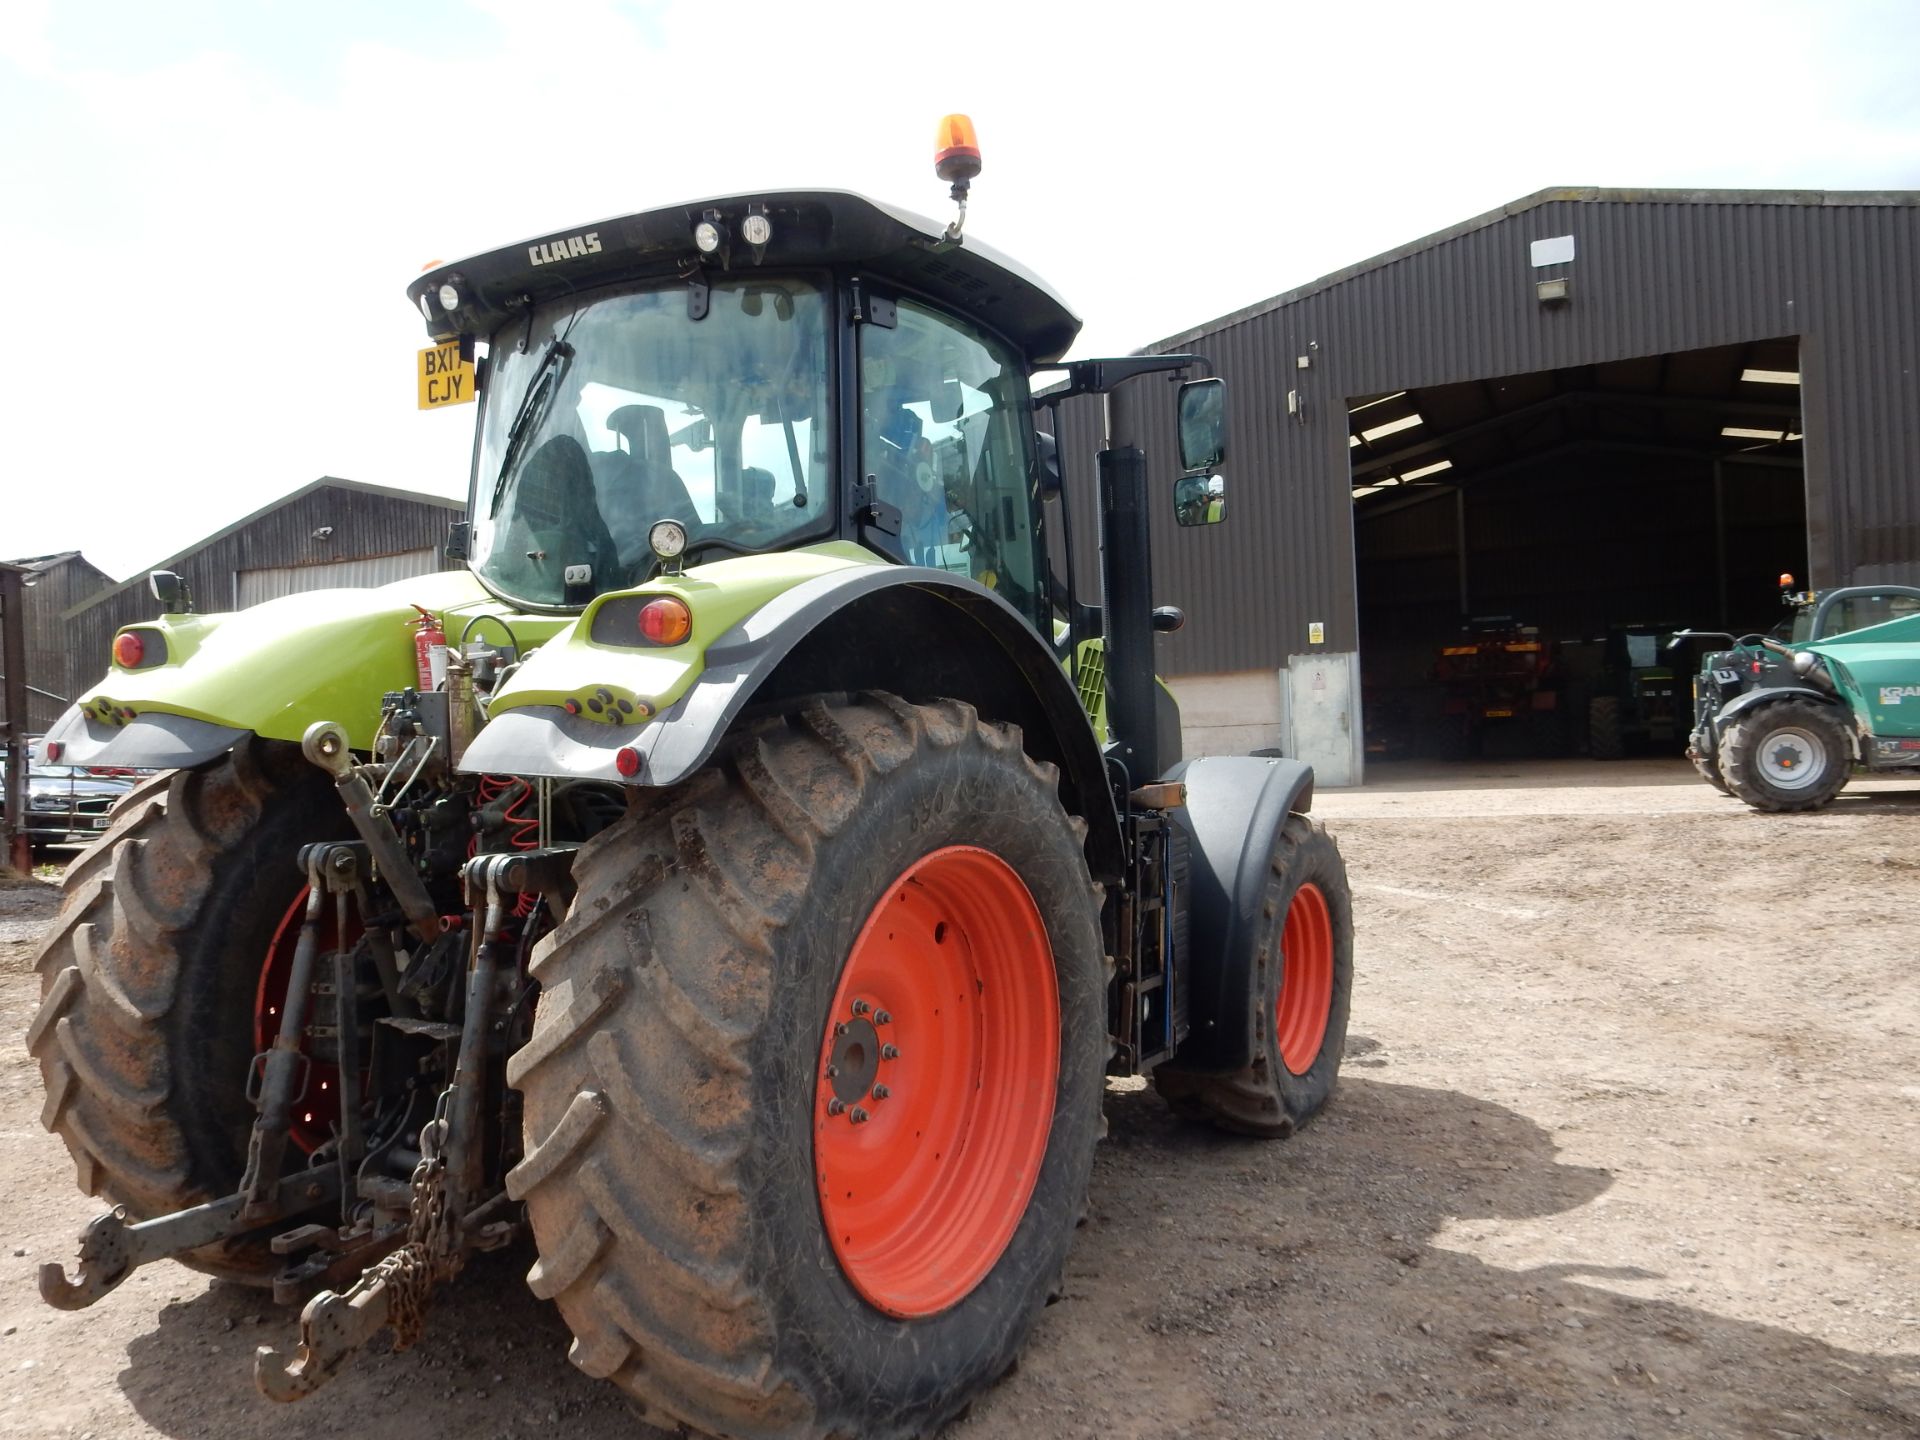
947 434
608 414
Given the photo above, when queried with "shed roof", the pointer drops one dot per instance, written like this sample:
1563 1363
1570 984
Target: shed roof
1584 194
325 482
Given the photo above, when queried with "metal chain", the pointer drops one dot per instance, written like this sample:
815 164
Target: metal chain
411 1272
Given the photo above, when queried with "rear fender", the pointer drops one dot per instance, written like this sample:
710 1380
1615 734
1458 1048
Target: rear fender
1236 806
272 669
919 633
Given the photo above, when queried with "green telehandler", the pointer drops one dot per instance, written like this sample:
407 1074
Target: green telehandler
741 876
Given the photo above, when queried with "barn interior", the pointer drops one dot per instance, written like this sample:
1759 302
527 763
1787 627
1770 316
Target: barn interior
1659 491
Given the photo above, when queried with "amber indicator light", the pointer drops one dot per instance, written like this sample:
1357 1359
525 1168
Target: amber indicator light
665 621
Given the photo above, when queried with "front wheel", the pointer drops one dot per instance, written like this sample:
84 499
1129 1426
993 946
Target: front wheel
816 1074
1302 980
1787 755
1708 767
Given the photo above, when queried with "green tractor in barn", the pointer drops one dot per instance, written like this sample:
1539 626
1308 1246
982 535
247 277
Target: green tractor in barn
741 877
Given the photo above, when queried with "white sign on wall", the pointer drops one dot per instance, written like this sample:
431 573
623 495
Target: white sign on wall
1557 251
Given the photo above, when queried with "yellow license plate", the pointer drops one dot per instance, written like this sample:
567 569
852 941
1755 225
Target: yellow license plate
1499 714
445 379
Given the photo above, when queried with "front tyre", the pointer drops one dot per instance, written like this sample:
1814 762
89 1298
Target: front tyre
1787 755
1302 980
1707 765
816 1073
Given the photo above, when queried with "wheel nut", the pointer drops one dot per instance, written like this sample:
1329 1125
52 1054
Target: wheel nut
839 1028
889 1052
835 1106
859 1116
860 1007
832 1070
880 1092
881 1017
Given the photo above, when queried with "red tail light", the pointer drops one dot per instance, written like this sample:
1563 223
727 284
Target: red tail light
128 650
666 621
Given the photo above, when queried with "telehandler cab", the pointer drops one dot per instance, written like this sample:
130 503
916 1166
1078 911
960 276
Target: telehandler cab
743 874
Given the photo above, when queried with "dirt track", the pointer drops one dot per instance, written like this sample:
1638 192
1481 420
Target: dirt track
1628 1144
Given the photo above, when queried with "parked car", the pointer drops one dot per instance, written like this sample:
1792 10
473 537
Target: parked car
68 804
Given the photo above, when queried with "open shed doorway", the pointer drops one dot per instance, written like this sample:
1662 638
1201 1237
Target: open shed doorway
1518 537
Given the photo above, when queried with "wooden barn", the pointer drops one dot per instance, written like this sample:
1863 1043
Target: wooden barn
328 534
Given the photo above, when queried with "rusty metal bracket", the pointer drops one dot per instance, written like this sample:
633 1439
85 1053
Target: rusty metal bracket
111 1248
332 1328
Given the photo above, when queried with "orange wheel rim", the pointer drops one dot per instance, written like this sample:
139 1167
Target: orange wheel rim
934 1095
1306 979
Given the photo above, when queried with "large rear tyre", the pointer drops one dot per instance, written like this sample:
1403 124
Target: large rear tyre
148 980
1604 738
1787 755
1303 985
815 1075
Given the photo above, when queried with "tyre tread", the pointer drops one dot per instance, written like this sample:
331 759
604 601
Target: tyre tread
666 1308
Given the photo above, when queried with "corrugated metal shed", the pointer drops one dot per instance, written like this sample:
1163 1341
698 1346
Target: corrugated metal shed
1653 272
327 523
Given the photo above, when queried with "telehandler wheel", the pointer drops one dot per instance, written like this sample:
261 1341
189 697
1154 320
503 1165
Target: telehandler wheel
816 1074
1787 755
1709 769
1302 980
1604 738
149 977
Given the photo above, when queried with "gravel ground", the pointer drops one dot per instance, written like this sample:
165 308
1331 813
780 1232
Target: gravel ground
1626 1145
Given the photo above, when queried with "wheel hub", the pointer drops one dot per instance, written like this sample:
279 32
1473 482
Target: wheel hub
1792 759
853 1063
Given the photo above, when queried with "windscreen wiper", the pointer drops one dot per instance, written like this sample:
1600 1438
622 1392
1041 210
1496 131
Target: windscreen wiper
532 406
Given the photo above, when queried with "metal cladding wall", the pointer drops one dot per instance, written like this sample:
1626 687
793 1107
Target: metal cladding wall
1654 272
363 520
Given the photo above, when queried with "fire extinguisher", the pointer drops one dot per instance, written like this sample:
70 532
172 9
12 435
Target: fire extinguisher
429 650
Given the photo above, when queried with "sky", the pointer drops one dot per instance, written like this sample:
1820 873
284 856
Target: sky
209 209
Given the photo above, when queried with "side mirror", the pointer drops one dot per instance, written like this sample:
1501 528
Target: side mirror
1046 464
1203 424
1200 499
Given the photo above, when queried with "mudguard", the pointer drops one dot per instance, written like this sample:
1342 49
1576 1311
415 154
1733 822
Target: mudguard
1740 704
271 670
852 627
1235 807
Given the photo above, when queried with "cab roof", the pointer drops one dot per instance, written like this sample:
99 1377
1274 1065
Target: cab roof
809 228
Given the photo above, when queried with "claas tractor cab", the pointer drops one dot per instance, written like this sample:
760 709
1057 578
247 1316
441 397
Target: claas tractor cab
742 875
1753 663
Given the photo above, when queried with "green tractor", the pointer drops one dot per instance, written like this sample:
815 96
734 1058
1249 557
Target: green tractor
742 877
1640 695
